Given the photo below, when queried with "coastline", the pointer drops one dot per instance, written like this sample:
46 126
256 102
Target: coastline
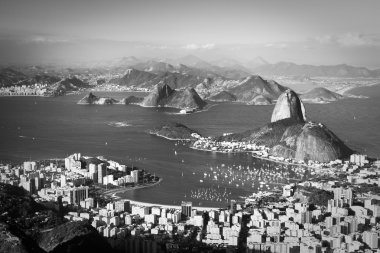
2 95
168 138
344 91
256 156
114 192
116 195
200 208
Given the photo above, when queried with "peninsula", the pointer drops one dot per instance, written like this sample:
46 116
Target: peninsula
289 137
175 131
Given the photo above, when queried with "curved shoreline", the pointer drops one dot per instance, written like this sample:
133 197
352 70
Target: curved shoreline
255 156
114 192
116 195
168 138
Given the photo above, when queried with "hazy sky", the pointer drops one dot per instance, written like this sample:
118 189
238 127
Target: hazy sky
315 32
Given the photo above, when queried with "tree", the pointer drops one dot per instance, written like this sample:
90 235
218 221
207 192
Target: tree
320 197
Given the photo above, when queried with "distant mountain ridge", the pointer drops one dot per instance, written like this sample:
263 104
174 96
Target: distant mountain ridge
254 86
292 69
252 90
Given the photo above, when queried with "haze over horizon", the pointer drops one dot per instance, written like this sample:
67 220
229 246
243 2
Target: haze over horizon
304 32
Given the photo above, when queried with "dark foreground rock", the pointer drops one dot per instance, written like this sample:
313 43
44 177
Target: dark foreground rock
74 237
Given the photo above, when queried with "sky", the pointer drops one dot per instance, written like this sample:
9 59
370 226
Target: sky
322 32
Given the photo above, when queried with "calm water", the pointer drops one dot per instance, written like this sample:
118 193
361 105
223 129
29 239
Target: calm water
38 128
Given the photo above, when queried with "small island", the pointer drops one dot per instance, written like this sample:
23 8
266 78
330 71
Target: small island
92 99
187 100
320 95
175 131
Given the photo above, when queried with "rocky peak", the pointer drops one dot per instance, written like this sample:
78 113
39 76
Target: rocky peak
164 90
289 105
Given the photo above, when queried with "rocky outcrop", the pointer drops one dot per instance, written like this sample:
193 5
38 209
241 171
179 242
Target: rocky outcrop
316 142
163 95
91 99
288 106
159 96
320 95
74 237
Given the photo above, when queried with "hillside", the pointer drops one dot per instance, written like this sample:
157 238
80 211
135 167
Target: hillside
16 202
134 77
320 94
11 77
12 240
254 86
223 96
178 80
154 66
67 85
74 237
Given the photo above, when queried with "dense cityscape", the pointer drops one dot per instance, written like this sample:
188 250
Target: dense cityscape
337 213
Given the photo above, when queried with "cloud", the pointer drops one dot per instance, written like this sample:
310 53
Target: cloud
199 46
324 39
350 39
276 45
45 39
149 46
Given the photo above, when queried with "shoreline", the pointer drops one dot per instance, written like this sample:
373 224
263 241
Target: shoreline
116 196
2 95
344 91
256 156
235 152
141 203
168 138
113 193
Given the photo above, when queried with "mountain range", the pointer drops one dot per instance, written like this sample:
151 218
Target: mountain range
207 78
292 69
